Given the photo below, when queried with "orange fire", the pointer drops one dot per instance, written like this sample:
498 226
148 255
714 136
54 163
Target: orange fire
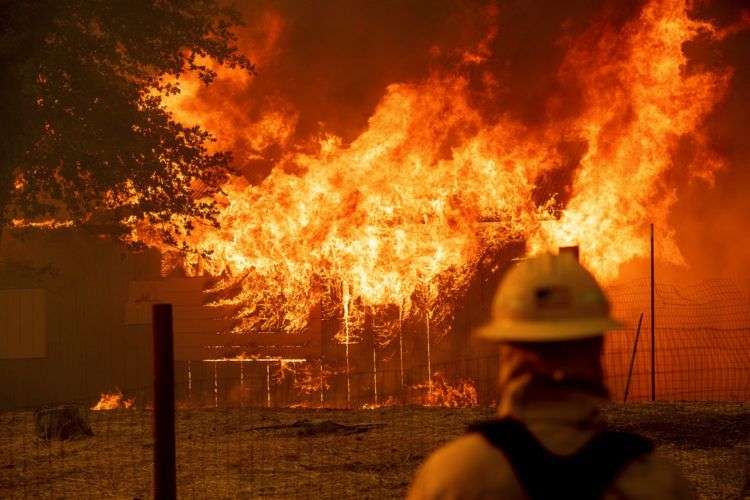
407 208
114 401
640 102
389 401
438 392
313 379
41 224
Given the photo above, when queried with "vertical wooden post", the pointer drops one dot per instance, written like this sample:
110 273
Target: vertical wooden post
632 358
165 485
653 323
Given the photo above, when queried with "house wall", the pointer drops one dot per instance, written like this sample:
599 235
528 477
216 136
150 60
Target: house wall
89 349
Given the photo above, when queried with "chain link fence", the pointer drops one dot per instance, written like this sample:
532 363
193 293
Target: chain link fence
246 429
701 342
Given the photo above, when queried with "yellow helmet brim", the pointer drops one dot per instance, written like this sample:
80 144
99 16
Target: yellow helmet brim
546 331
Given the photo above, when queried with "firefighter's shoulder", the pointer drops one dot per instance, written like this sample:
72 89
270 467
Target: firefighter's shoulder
651 477
467 468
470 468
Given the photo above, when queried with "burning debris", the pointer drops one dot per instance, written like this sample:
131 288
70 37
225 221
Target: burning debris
114 401
309 428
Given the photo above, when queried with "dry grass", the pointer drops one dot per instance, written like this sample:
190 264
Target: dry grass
248 453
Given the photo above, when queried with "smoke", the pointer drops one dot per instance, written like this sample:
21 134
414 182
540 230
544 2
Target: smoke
329 63
336 58
711 218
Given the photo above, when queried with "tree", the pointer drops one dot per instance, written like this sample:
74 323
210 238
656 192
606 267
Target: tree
83 133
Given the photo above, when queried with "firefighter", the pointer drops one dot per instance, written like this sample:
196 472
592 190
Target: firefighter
548 441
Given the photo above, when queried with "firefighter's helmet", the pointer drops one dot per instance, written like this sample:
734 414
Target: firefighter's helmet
548 298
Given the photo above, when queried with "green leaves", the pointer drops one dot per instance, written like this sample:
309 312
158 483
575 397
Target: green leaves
85 135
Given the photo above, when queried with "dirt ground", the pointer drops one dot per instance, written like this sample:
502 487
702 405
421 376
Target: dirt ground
250 452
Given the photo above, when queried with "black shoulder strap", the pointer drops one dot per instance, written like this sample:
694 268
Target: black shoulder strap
606 455
544 475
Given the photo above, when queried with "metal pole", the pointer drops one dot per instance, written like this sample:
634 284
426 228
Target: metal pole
242 382
216 388
632 358
346 341
653 322
268 384
429 361
165 485
322 383
375 374
190 383
370 325
401 344
401 390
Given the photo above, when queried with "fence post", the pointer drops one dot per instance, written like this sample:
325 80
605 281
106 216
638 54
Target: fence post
653 323
165 485
632 358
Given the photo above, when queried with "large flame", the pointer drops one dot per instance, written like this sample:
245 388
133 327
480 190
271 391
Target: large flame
640 102
408 207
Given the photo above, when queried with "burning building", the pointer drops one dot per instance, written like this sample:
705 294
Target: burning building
373 210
